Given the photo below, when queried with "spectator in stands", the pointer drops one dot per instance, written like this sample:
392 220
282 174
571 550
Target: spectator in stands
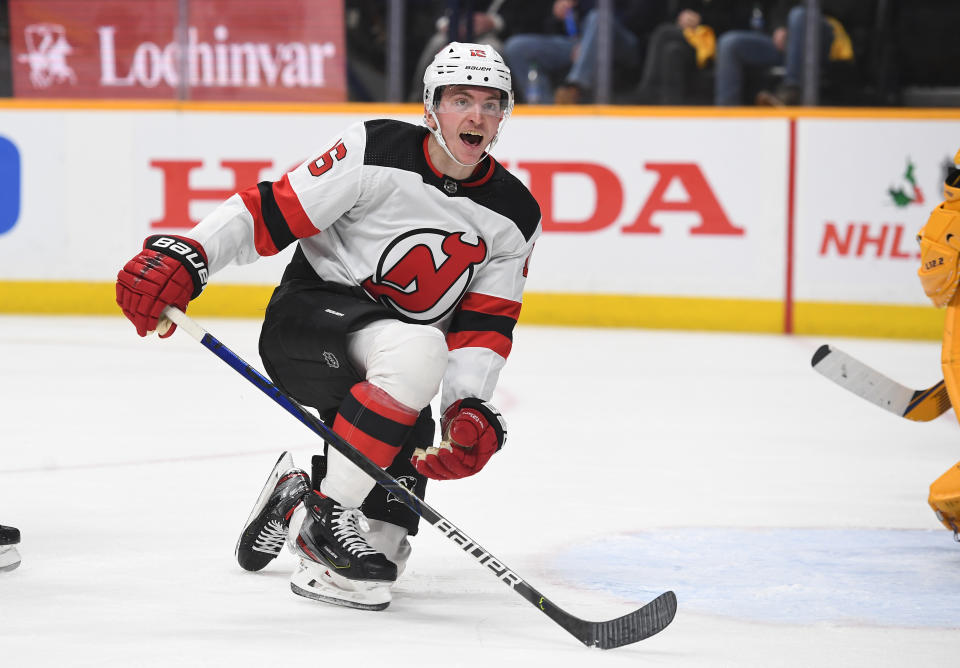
739 51
777 38
835 42
567 47
365 23
681 50
489 22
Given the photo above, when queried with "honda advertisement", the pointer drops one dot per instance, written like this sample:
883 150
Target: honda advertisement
719 222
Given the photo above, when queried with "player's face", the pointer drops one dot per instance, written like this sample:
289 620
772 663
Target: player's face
469 117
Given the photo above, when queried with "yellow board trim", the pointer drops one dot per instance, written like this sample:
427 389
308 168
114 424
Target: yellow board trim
83 298
589 310
379 109
541 308
584 310
887 321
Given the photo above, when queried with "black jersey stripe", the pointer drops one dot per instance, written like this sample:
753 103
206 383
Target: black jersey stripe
273 219
474 321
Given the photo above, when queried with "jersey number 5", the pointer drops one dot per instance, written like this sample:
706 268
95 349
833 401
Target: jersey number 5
323 164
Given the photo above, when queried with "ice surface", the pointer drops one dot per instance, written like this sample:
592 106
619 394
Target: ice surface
790 575
637 461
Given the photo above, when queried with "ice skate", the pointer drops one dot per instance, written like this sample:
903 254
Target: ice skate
9 557
266 529
337 565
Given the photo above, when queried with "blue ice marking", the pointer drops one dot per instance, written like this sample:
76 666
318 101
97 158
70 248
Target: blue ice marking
905 578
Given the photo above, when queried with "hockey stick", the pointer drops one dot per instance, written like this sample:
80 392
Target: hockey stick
855 376
637 625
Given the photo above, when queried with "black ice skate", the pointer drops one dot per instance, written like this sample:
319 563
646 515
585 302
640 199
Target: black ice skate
337 565
9 557
266 529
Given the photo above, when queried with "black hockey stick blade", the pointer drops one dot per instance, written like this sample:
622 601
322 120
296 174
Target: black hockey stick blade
638 625
643 623
868 383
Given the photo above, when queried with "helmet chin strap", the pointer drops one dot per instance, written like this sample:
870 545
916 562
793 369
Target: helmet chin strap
443 144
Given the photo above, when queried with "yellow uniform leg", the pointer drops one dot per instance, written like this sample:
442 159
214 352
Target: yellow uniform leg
940 275
945 499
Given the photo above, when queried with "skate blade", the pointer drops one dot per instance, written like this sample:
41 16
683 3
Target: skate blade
311 582
9 558
284 464
313 594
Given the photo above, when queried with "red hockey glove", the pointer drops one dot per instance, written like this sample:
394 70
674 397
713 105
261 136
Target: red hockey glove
169 270
472 431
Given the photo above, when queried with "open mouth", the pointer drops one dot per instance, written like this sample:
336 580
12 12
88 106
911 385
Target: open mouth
472 138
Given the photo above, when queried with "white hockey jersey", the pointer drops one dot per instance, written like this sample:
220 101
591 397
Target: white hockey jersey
371 211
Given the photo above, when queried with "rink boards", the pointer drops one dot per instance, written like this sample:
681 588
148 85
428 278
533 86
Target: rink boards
741 219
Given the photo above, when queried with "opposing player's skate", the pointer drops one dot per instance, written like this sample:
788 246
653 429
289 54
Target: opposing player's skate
9 557
337 564
266 529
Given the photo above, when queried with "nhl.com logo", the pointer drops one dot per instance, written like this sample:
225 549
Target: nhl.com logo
47 50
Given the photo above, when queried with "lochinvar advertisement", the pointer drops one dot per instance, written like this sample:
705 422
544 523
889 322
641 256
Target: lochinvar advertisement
289 51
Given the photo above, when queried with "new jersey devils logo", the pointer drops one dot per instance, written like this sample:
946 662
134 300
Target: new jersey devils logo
424 273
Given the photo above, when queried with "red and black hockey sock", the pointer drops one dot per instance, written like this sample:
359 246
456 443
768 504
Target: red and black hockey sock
374 423
385 505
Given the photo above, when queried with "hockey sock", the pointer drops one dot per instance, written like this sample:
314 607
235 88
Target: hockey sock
374 423
377 425
318 470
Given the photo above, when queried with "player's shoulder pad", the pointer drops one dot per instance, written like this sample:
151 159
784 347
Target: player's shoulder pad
392 143
513 200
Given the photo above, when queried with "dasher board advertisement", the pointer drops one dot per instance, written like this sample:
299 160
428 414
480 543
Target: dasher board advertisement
792 222
864 188
671 216
220 50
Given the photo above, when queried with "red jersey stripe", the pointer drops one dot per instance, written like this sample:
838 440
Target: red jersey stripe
426 154
495 341
289 204
483 179
466 184
474 301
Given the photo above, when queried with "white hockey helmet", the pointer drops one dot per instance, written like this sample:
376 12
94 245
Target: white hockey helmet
464 64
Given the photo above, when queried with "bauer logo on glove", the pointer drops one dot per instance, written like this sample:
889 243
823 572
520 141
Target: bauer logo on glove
472 431
193 256
170 270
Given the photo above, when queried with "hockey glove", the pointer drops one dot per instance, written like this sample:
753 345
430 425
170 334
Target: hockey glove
472 430
169 270
940 245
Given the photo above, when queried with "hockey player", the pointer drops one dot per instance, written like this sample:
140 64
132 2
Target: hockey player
412 253
940 275
9 557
